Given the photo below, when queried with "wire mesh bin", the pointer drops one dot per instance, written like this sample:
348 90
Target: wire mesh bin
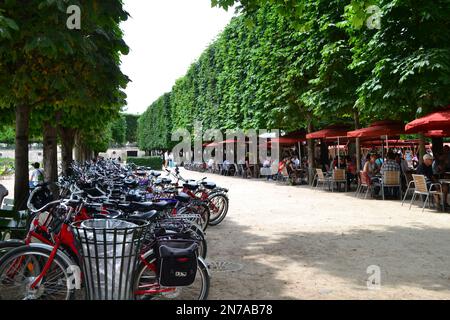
109 249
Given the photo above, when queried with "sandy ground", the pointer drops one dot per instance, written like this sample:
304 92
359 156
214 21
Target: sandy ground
297 243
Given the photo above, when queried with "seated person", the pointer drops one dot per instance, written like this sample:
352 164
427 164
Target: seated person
426 169
351 170
281 166
341 163
296 162
440 165
371 170
391 165
404 169
379 161
266 168
447 154
294 174
370 166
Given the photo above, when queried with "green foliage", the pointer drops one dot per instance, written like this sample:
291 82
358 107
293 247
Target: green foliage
406 63
97 139
69 77
153 162
6 166
155 125
318 62
132 125
7 134
119 130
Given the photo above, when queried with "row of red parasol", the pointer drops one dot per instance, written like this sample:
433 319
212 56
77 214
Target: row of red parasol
434 125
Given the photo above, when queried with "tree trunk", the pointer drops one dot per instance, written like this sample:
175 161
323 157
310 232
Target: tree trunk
324 157
87 153
50 153
438 146
358 144
311 150
421 147
67 136
21 185
78 148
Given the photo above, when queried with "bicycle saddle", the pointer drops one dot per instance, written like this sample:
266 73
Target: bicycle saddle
161 205
191 186
150 216
209 185
182 197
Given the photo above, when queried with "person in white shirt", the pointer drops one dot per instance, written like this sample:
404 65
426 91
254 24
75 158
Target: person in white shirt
37 175
210 163
166 159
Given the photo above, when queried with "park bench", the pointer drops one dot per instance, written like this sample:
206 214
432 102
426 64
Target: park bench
13 223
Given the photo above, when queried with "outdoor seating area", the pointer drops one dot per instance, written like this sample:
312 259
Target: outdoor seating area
388 168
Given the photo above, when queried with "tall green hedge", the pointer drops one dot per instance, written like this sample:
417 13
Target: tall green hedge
153 162
317 66
155 125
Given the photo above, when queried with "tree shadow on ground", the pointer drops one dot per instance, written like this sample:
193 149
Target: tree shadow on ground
416 257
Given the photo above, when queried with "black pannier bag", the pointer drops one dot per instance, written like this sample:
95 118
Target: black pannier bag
177 262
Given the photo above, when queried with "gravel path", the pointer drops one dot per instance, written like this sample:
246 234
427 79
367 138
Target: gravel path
296 243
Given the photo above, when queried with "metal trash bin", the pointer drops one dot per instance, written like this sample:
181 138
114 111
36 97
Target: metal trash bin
109 249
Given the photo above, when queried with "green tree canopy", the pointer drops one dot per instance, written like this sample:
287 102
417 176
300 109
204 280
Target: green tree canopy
132 125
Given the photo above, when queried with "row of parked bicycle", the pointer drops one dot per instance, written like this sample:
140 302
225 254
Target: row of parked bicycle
114 232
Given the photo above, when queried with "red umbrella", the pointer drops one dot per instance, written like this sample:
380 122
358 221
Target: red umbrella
379 129
438 133
283 140
331 132
299 134
435 121
391 143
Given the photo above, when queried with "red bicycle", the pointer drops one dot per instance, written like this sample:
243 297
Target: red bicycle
48 269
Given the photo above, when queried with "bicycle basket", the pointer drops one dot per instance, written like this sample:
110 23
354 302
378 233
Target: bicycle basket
177 262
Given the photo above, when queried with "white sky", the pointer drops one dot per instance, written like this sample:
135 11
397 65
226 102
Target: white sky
165 37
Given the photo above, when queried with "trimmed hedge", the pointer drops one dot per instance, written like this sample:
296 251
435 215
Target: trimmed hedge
154 162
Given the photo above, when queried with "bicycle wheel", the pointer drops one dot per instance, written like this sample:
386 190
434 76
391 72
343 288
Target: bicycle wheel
200 209
20 267
147 280
199 235
218 205
6 246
